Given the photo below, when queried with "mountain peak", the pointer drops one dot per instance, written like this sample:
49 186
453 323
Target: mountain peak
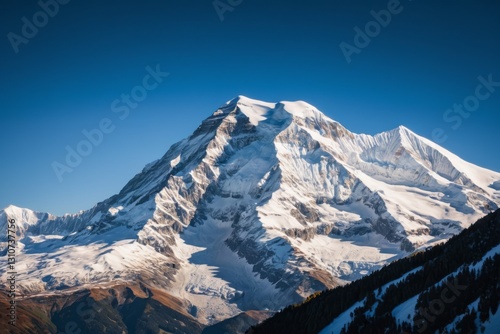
12 207
263 204
401 130
404 136
257 110
244 100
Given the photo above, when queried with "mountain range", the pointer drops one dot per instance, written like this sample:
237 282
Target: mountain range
261 206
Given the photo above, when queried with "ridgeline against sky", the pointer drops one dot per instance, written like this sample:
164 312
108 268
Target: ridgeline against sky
77 72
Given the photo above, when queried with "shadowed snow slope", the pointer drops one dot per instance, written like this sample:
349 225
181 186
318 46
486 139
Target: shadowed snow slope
263 204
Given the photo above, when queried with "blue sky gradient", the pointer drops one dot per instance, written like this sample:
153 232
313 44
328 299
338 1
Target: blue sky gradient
64 79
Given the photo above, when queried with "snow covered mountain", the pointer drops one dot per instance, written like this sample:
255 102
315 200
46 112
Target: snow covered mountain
443 289
262 205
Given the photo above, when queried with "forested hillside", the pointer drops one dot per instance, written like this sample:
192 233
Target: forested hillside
452 288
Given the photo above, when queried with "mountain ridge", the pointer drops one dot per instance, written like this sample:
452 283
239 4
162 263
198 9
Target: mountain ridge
262 199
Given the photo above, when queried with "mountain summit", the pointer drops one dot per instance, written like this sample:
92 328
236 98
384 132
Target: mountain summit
262 205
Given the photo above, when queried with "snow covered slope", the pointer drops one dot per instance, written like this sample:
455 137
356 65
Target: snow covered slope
453 287
263 204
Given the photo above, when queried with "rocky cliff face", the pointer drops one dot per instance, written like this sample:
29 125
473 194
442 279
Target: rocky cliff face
263 204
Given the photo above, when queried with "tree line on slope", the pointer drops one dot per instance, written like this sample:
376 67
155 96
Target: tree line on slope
437 306
320 309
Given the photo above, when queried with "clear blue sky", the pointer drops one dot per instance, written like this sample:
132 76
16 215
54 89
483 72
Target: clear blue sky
65 78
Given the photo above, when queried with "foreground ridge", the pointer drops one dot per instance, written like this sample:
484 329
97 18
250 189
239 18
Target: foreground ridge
451 287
